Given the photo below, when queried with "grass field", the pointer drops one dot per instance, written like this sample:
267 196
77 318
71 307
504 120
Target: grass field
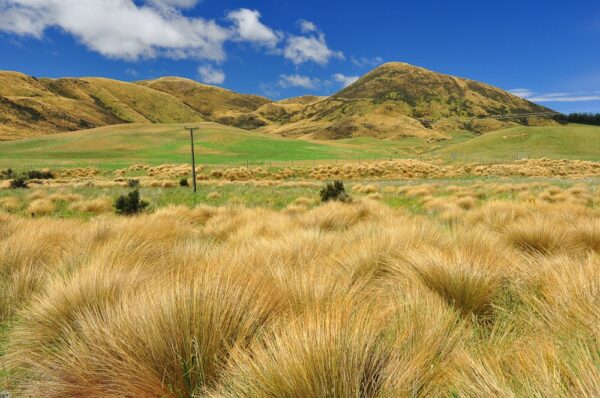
119 146
557 142
448 288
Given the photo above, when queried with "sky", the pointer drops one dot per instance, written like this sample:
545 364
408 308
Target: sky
545 50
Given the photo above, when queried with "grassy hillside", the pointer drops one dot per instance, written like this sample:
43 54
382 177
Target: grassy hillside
33 107
391 101
214 103
127 101
559 142
114 146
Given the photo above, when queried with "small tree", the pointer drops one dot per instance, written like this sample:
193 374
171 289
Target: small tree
18 182
133 183
130 204
184 182
334 191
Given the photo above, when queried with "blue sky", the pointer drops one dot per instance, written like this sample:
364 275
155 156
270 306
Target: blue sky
546 50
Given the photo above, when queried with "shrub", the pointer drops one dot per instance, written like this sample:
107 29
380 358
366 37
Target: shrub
40 175
130 204
133 183
6 174
18 182
334 191
184 182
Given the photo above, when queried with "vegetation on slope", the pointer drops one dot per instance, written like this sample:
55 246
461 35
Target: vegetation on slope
395 98
393 101
214 103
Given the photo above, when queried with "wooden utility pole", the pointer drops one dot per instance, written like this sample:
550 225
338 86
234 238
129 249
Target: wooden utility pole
191 129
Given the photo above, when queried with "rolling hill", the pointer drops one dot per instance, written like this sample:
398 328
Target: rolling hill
121 145
558 142
214 103
393 101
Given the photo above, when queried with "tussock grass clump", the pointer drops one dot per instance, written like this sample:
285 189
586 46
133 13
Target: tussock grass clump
539 235
326 352
41 207
96 206
10 204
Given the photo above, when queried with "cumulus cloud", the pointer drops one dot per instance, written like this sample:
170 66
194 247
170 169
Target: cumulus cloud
118 28
247 27
554 97
301 49
142 29
211 75
307 26
344 80
287 81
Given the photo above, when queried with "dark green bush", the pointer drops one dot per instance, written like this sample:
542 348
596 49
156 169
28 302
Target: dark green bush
7 174
133 183
18 182
334 191
184 182
40 175
130 204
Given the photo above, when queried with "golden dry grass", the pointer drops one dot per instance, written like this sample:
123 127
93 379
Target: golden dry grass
496 299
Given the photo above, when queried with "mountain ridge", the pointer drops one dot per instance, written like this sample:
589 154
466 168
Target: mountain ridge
394 100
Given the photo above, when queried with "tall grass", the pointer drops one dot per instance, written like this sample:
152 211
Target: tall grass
342 300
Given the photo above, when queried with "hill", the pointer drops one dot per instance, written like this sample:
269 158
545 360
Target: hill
393 101
397 100
558 142
214 103
33 107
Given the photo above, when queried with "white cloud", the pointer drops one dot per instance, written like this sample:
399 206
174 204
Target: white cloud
118 28
249 28
521 92
531 95
210 75
307 26
301 49
364 62
174 3
287 81
344 80
563 97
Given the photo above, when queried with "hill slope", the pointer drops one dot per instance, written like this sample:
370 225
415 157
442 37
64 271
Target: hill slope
557 142
32 107
214 103
391 100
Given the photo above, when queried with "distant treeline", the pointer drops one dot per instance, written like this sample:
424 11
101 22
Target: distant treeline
582 118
